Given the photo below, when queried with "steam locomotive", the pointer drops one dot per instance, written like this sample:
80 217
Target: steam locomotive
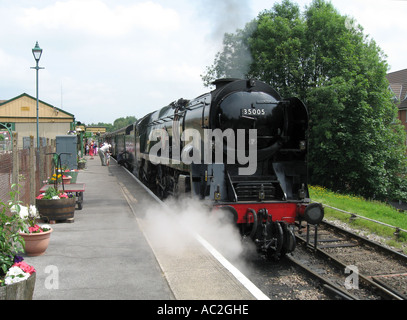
240 148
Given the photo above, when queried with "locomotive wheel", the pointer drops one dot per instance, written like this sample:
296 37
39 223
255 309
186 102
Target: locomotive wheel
275 230
161 183
141 175
289 239
250 229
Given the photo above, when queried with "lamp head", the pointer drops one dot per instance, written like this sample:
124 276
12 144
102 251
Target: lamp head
37 51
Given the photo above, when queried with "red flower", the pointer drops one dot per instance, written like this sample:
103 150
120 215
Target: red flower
25 267
35 229
40 196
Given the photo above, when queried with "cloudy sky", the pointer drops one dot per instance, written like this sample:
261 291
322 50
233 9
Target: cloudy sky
106 59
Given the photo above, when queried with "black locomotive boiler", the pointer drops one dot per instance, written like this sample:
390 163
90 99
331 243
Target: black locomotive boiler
241 148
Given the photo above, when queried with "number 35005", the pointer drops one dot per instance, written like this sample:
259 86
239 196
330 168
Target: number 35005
252 112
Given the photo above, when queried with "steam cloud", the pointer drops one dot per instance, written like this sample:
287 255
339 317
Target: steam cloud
171 226
226 16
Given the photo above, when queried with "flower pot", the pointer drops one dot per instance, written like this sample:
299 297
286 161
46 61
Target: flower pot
81 165
59 209
22 290
36 243
67 180
74 175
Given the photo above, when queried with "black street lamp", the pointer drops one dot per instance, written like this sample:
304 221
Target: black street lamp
37 52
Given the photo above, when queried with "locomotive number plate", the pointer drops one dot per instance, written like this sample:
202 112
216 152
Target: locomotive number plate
252 112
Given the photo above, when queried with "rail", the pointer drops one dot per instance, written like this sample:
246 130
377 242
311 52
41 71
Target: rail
354 216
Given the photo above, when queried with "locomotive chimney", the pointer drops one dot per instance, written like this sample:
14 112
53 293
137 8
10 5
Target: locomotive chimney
223 82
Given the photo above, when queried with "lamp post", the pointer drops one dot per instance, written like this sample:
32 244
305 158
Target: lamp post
37 52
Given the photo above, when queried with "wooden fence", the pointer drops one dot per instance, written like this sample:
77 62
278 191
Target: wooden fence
28 168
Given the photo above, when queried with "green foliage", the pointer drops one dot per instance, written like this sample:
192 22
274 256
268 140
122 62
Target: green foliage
117 124
279 48
109 126
50 193
11 243
123 122
356 142
375 210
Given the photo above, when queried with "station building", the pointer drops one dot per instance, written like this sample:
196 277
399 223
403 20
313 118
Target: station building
19 114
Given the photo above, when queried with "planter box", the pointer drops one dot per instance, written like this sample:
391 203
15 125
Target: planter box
61 209
23 290
74 175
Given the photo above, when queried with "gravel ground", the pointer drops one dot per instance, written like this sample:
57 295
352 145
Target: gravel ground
371 263
371 236
281 281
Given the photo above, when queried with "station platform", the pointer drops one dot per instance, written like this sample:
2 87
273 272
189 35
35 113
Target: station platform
121 247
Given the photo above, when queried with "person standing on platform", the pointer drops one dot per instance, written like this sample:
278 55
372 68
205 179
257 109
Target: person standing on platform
102 152
91 150
95 148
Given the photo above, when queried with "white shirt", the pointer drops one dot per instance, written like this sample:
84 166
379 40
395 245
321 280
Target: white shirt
105 147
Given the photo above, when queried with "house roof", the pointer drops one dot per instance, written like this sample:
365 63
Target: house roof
3 102
398 85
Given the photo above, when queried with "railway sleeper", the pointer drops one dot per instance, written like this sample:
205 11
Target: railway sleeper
315 239
364 281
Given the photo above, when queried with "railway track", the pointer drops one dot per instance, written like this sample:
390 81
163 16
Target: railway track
364 269
312 274
319 273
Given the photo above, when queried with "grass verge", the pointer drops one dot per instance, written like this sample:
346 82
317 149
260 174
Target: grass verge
375 210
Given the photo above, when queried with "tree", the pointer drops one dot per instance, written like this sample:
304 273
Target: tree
123 122
320 56
117 124
108 126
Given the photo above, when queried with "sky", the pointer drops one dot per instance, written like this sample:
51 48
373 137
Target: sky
106 59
